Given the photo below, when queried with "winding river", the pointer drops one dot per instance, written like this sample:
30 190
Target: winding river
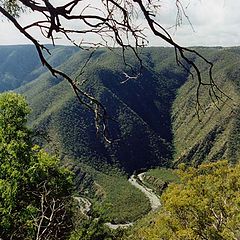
136 181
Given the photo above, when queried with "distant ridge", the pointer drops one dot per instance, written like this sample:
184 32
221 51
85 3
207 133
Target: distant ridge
156 122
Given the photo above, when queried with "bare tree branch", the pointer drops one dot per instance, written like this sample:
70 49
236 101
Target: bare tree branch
115 23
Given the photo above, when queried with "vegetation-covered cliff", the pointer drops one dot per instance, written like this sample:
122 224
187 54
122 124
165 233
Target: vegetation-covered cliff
156 111
154 123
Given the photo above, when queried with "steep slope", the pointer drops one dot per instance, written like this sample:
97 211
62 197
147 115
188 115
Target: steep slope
147 127
16 66
141 110
155 118
20 64
216 136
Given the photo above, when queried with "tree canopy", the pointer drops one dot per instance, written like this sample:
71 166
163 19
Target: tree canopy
35 192
205 205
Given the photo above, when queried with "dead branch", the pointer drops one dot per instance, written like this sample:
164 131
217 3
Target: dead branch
114 22
52 214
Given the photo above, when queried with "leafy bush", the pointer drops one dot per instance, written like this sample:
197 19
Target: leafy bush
204 206
35 192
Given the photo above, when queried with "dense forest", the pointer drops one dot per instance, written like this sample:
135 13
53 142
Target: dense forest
154 125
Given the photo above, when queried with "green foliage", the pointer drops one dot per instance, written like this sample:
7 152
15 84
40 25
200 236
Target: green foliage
122 202
145 104
165 174
11 6
113 197
234 138
34 190
146 126
95 230
204 206
56 110
20 64
215 136
159 178
142 109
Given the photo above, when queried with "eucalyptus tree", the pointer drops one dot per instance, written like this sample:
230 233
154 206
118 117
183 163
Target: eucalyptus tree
205 205
35 192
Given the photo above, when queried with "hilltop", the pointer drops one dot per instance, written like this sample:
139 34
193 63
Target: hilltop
156 111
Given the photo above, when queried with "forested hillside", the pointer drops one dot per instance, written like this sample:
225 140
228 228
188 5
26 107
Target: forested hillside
20 64
155 121
140 108
216 134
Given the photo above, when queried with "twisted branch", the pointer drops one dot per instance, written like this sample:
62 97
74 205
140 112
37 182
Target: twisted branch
114 22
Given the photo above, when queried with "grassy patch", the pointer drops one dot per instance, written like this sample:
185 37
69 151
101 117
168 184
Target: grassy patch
122 202
159 178
166 175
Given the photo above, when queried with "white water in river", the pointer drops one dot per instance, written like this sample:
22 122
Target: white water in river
85 204
153 198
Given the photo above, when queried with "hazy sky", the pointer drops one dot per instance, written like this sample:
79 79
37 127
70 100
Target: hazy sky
215 23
